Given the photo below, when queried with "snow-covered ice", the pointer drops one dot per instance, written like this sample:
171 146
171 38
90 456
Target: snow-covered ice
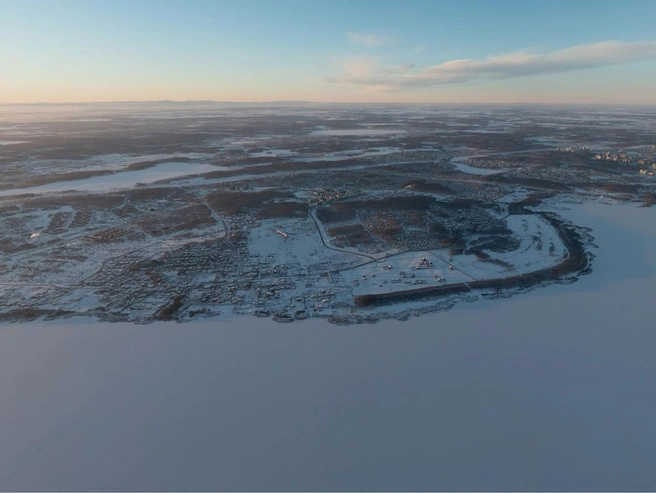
13 142
121 179
465 168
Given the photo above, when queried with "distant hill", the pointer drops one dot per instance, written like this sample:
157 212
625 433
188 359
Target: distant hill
164 101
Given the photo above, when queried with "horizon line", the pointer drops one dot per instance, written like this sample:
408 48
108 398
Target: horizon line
212 101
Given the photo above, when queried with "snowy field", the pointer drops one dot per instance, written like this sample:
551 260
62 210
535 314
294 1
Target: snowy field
357 132
351 154
540 247
403 272
551 390
295 242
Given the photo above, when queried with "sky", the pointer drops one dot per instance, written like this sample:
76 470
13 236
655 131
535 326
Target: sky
435 51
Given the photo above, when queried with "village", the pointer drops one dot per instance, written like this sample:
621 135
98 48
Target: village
302 221
289 268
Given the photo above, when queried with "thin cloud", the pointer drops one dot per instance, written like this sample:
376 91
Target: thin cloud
369 73
368 39
520 64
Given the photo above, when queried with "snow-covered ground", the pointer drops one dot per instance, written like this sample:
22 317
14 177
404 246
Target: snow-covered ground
358 132
350 154
465 168
274 153
294 241
551 390
540 247
403 272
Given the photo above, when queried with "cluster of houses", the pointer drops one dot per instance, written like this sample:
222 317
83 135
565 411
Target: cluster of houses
322 196
651 171
574 149
647 164
620 157
623 157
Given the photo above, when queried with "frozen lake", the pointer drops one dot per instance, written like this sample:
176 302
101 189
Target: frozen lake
472 170
551 390
12 142
121 179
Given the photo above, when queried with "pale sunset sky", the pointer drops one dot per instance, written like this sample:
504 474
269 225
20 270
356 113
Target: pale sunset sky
484 51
